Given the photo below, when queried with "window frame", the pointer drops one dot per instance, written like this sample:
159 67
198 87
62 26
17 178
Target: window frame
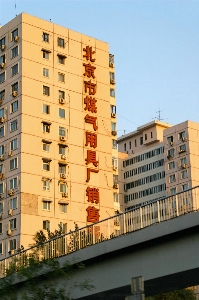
15 71
13 181
15 166
45 37
13 56
12 106
46 90
12 123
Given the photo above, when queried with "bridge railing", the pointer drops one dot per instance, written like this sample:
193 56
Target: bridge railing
135 219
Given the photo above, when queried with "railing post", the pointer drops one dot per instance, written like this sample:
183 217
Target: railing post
177 211
109 229
158 208
141 226
124 223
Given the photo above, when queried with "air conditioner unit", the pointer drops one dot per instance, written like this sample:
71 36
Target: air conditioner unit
11 192
10 212
111 65
113 132
1 216
116 223
62 138
2 65
3 47
171 143
183 166
1 175
169 156
61 100
14 93
114 168
11 252
62 175
183 139
1 157
9 232
112 81
113 115
1 102
115 186
10 153
16 38
63 157
2 119
64 195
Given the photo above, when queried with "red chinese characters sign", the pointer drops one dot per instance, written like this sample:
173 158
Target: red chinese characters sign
90 88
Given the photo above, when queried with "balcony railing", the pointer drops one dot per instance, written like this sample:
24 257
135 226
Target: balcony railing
154 212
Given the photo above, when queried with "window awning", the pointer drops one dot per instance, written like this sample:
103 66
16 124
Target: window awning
46 159
46 122
47 200
46 50
61 55
63 145
62 163
63 202
46 141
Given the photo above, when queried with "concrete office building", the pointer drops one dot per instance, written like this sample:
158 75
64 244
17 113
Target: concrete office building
58 135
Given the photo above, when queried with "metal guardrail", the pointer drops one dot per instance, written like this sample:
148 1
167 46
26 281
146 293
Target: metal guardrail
135 219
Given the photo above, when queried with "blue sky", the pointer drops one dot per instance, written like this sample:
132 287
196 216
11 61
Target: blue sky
156 48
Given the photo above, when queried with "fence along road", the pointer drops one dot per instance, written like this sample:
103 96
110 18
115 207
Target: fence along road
135 219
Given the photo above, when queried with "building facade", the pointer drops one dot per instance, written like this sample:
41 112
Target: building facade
58 147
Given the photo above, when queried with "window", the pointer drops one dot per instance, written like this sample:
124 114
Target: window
182 135
63 208
62 131
46 165
173 191
45 54
112 76
1 228
124 146
141 140
46 185
45 72
145 137
13 125
14 34
2 95
170 153
2 77
115 179
62 187
13 224
61 59
2 59
46 109
129 145
2 131
172 178
170 139
45 37
1 169
14 70
46 205
151 134
61 95
115 197
1 188
13 163
15 87
63 227
13 183
114 144
13 244
62 168
135 143
113 126
46 147
1 112
111 60
183 148
113 109
62 150
13 144
46 90
171 165
61 77
60 42
46 127
112 92
1 248
2 42
1 207
184 174
183 162
14 106
62 113
185 187
46 225
13 203
1 149
14 52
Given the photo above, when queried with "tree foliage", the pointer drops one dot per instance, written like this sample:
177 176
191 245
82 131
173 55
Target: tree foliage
184 294
31 270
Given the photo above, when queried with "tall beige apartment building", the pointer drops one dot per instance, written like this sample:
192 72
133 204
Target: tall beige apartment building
157 160
58 148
